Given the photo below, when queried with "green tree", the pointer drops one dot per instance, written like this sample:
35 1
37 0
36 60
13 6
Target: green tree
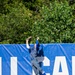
51 20
15 26
55 23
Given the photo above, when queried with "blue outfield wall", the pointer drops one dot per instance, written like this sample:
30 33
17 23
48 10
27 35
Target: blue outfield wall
59 59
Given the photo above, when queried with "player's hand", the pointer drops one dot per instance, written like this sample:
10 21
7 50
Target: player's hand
30 37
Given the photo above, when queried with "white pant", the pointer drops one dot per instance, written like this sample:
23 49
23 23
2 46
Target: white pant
36 67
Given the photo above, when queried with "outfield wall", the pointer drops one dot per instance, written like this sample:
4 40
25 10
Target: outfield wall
59 59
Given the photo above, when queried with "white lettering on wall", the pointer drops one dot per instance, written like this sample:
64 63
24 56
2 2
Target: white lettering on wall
73 65
60 61
13 65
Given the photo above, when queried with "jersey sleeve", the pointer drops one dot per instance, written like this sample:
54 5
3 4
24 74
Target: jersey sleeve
37 44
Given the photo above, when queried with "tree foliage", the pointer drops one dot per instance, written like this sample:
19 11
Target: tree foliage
52 20
56 23
16 25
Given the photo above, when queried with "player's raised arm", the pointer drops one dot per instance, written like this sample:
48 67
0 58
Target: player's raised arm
27 42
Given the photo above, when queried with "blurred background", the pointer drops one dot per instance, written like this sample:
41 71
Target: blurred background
52 20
